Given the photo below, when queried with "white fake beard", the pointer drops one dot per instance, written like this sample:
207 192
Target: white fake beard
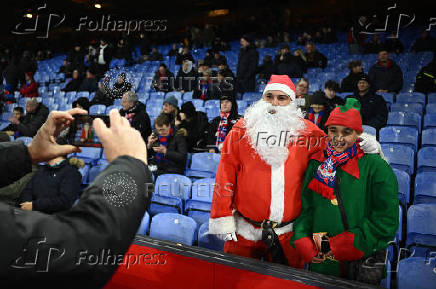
269 133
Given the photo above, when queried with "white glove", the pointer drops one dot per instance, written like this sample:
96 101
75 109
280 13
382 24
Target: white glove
369 144
227 237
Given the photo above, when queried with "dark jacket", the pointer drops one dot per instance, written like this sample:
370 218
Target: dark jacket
247 64
374 110
196 130
53 189
388 77
32 121
177 151
316 59
214 124
427 44
138 119
330 104
76 59
426 79
13 75
292 66
89 84
181 57
165 84
186 81
266 69
73 85
101 220
349 83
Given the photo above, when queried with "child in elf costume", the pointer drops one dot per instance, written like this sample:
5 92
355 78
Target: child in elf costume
349 201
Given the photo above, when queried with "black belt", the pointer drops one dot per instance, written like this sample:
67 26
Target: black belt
265 223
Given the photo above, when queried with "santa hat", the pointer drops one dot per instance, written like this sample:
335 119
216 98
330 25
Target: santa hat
347 115
282 83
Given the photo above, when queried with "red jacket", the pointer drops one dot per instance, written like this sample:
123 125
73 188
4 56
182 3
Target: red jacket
29 90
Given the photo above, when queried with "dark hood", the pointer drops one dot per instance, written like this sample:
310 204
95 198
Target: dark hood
234 110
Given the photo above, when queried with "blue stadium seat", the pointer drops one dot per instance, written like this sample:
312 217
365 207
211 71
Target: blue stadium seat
25 139
430 120
411 98
429 137
430 108
427 159
252 96
70 94
157 95
400 118
421 229
387 96
145 225
370 130
82 94
97 109
89 154
174 227
188 95
431 97
400 156
403 179
399 135
213 112
117 102
48 101
204 165
197 103
209 241
95 170
202 189
416 273
153 110
408 107
212 103
197 210
425 188
241 103
84 171
109 108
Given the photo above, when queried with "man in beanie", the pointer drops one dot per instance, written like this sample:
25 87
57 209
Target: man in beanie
318 113
348 84
374 110
349 203
386 75
221 125
247 64
258 184
194 124
170 107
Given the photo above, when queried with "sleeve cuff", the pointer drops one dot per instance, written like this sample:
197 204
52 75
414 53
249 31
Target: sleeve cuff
306 249
343 249
222 225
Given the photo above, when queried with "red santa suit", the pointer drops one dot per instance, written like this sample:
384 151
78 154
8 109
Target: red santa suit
246 185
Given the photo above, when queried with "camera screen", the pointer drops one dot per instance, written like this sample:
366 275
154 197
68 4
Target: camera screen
82 132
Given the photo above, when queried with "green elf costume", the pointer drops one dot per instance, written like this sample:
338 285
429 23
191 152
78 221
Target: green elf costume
368 192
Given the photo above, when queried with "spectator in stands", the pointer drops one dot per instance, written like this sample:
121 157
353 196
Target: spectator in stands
248 59
218 59
288 64
267 68
163 79
123 51
226 83
54 187
350 81
103 96
144 46
271 42
134 111
374 110
331 99
170 108
13 74
370 202
74 83
168 148
207 88
36 114
209 58
304 38
82 103
225 68
394 45
120 86
90 82
173 51
155 55
186 77
195 124
302 96
374 45
424 43
28 63
185 55
30 87
74 61
318 112
18 116
385 75
314 58
221 125
426 78
104 54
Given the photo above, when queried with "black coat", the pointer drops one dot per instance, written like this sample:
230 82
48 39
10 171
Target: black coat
186 81
426 79
177 151
53 189
138 119
96 223
330 104
349 83
13 75
196 130
73 85
373 110
214 124
167 84
247 63
316 59
89 84
31 122
292 66
388 77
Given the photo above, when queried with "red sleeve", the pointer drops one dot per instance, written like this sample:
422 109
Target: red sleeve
343 249
306 249
317 141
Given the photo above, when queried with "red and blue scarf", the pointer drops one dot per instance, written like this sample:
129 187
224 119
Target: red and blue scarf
222 128
311 117
324 180
163 141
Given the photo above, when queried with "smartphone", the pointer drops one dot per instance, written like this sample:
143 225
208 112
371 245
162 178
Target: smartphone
82 132
156 134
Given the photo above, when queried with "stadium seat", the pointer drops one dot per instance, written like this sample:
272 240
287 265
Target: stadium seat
82 94
96 169
203 165
430 108
197 210
187 95
387 96
209 241
174 227
425 188
411 98
370 130
408 107
430 120
109 108
431 97
145 225
153 110
429 137
416 273
421 229
117 101
400 156
89 154
157 95
403 179
84 171
400 118
97 109
197 103
212 104
399 135
427 159
202 190
213 112
25 139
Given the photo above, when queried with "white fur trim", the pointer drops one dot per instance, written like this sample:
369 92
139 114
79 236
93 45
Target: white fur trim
280 86
223 225
277 206
249 232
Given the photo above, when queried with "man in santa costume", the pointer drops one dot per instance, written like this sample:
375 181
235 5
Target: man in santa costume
258 184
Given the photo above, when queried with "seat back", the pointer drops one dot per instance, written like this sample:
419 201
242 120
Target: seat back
398 118
403 179
202 189
209 241
417 273
207 162
408 107
399 156
97 109
425 188
427 159
429 137
421 227
400 135
173 185
174 227
145 224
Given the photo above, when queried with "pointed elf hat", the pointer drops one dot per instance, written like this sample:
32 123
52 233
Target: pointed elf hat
282 83
347 115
